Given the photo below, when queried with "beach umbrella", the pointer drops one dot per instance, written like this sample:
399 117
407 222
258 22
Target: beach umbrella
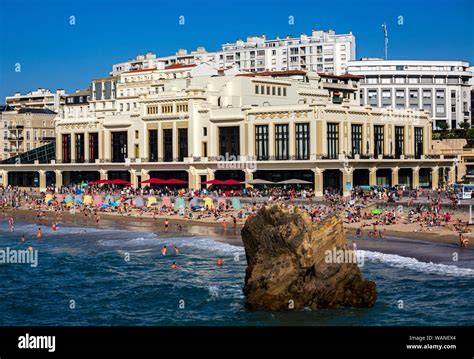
101 181
294 181
175 181
120 182
49 197
260 181
214 181
98 200
154 181
231 182
138 201
69 199
377 211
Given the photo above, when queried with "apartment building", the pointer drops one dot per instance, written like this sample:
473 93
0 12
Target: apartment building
322 51
26 129
38 99
438 87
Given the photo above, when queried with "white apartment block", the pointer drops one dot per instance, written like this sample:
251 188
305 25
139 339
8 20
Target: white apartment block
438 87
38 99
322 51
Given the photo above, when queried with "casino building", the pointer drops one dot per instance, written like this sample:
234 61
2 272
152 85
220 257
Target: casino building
196 123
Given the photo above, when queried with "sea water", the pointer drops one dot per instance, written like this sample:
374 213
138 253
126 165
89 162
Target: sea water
112 277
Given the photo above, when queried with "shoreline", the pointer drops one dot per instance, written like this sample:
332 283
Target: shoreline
423 246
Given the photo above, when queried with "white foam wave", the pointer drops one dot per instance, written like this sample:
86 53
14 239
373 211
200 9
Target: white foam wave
414 264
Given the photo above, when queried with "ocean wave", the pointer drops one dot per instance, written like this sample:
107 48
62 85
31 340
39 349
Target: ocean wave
414 264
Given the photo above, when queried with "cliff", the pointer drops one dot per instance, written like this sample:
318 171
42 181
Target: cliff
295 264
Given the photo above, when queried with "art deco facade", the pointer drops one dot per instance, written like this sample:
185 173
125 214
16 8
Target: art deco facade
196 123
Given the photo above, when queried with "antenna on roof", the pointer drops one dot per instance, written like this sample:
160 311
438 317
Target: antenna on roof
385 37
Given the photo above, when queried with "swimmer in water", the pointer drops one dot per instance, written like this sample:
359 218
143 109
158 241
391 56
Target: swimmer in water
167 223
176 250
54 227
174 266
220 262
23 238
164 250
39 234
97 219
30 248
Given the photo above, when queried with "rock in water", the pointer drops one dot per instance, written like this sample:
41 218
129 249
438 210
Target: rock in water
291 266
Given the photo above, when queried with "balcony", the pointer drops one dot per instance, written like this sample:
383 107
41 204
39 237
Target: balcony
337 100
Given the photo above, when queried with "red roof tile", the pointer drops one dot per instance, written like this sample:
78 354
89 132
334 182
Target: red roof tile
179 66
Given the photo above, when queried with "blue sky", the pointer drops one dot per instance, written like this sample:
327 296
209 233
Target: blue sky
54 54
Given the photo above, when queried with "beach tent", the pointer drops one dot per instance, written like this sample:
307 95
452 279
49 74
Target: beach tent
78 199
59 198
208 203
138 201
166 202
236 203
151 201
109 199
222 203
294 181
98 200
49 198
260 181
179 203
194 202
88 199
69 199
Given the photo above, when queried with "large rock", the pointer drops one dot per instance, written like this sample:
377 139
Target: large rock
289 268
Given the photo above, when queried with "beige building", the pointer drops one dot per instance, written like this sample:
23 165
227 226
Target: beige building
196 123
26 129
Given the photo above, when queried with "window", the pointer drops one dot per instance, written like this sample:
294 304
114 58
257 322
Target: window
356 139
182 143
439 94
166 108
281 142
378 140
399 141
284 91
168 145
386 94
440 109
333 140
385 80
153 145
279 91
413 93
302 141
418 142
273 90
453 94
204 131
372 80
261 142
372 94
256 89
413 80
399 80
439 81
400 93
426 93
453 108
182 107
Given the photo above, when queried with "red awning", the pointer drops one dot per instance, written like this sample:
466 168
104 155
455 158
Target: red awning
154 181
119 181
175 181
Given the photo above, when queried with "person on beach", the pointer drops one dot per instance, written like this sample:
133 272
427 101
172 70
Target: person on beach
164 250
174 266
39 234
97 219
